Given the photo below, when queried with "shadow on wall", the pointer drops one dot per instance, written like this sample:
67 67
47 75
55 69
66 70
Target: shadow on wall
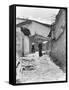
58 51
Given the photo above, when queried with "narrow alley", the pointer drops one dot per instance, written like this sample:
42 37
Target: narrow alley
40 45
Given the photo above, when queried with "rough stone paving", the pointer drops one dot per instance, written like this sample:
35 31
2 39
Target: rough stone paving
38 69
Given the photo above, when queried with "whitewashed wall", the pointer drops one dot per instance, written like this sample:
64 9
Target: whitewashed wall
19 41
38 28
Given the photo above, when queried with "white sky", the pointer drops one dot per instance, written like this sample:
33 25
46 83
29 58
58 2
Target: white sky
45 15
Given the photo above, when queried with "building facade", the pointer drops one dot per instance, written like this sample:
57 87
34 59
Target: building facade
33 27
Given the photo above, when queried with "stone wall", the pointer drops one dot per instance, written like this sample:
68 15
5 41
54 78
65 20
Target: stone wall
58 52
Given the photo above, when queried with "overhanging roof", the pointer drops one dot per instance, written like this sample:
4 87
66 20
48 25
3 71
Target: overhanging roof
29 21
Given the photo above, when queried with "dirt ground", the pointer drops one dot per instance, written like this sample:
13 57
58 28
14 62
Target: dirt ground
44 70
